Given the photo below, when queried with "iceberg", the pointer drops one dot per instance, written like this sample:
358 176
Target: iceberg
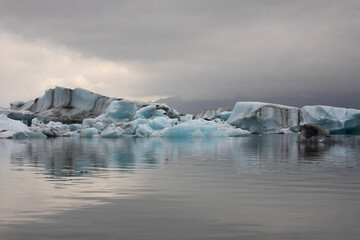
221 113
7 124
259 117
201 128
336 120
76 126
17 104
63 112
143 130
159 123
121 110
89 132
149 112
74 105
170 112
65 105
18 115
112 131
131 127
75 134
186 118
9 127
51 129
29 135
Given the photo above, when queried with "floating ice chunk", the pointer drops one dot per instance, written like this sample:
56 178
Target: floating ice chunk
99 125
29 135
112 131
75 133
21 115
197 134
258 117
9 127
201 128
6 134
35 122
243 109
159 123
143 130
224 115
149 111
170 112
16 104
121 110
37 135
288 131
76 126
237 132
4 111
89 122
186 118
89 132
53 129
7 124
336 120
130 127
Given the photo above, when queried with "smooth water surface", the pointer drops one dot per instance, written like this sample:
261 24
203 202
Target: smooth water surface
256 187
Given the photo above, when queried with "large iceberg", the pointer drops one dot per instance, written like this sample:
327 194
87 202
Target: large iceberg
65 105
74 105
259 117
64 112
336 120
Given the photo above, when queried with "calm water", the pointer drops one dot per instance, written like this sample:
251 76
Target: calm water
257 187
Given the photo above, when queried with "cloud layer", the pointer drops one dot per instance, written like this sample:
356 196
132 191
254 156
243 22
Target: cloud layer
198 50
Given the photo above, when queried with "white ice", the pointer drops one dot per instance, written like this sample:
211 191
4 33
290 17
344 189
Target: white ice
9 127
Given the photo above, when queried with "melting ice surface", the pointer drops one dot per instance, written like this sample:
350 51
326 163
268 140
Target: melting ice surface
254 187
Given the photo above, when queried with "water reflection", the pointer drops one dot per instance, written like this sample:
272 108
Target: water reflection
68 157
40 177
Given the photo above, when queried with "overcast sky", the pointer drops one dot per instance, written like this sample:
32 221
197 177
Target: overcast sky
196 50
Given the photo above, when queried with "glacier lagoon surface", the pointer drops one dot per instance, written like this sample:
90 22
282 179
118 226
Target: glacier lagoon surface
253 187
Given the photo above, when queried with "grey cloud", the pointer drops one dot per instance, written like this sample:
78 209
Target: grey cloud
208 49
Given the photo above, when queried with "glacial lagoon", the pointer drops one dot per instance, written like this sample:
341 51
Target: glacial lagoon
252 187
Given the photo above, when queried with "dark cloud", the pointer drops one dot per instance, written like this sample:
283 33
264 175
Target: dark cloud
208 49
